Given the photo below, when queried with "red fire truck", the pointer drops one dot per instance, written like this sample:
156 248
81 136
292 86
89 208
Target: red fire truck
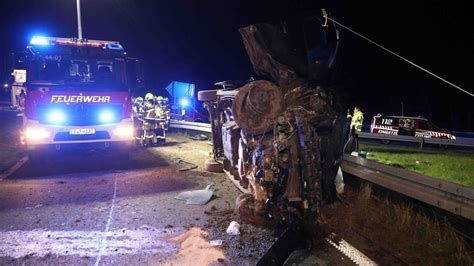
77 95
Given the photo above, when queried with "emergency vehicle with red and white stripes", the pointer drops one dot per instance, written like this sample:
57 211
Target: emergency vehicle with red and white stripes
78 94
408 126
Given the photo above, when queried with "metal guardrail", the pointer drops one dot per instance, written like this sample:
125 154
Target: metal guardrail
451 197
204 127
421 140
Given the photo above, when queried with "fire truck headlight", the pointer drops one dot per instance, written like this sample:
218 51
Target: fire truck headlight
124 131
56 117
32 133
106 117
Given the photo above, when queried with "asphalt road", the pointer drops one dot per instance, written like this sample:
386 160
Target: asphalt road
88 208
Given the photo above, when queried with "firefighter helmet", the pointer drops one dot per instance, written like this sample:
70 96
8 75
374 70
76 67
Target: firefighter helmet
138 100
149 97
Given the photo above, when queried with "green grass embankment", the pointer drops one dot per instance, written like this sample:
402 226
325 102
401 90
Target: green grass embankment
456 167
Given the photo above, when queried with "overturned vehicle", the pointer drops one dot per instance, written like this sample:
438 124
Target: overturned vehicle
280 137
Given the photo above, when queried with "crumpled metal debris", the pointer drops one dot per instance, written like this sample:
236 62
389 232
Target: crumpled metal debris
233 228
197 197
199 137
339 181
215 243
188 165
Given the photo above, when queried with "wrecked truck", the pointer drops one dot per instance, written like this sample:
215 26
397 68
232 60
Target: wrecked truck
280 136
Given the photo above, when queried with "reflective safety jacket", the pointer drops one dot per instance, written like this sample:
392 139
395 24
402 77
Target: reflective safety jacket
356 121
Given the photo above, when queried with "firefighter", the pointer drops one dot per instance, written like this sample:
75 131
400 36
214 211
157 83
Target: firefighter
159 106
355 128
166 108
159 101
138 105
150 105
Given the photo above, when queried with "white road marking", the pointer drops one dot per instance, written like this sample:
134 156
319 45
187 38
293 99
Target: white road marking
107 226
350 251
39 243
15 167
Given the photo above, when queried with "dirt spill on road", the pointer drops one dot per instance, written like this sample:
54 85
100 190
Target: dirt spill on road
195 249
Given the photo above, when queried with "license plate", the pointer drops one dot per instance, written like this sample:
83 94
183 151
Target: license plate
82 131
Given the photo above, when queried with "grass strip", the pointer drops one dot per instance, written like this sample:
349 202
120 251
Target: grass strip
456 167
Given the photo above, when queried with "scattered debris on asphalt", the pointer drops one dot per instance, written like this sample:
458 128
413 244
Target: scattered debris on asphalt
233 228
199 137
217 242
189 166
339 182
197 197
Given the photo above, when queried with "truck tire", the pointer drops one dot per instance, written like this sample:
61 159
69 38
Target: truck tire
206 96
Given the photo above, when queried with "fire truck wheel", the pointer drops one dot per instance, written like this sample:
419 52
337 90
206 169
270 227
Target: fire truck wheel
213 166
206 96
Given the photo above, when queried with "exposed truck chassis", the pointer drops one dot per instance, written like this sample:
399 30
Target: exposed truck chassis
281 139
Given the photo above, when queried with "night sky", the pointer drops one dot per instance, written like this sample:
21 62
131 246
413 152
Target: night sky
197 41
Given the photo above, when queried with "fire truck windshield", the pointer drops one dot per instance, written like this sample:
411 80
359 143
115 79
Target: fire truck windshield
96 74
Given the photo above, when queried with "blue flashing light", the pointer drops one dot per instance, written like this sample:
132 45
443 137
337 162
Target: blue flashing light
39 40
106 117
56 117
114 46
184 102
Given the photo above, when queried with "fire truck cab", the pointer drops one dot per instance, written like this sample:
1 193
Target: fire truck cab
77 95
